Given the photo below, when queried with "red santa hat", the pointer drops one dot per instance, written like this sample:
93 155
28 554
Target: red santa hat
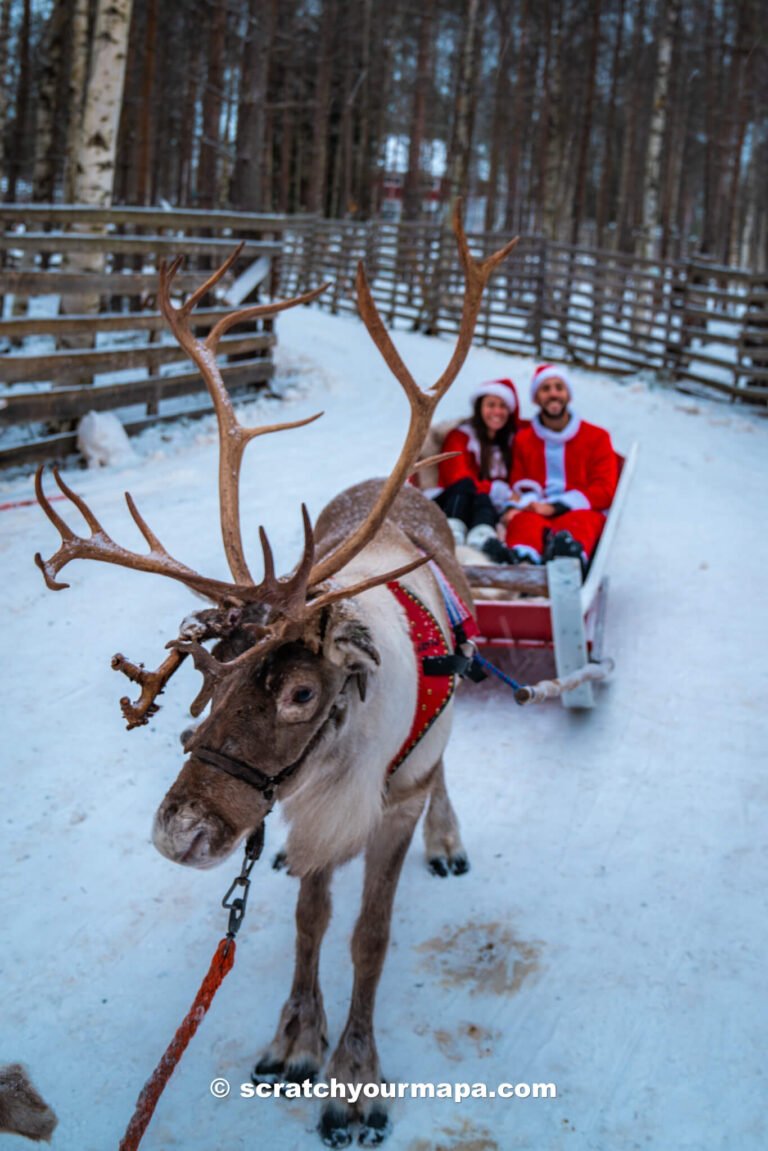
503 390
549 372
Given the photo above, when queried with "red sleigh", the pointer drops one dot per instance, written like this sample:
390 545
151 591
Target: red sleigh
552 608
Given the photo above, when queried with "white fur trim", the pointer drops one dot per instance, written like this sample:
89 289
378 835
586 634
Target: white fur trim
575 500
551 436
527 551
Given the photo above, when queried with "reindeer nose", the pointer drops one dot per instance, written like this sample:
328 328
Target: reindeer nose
186 834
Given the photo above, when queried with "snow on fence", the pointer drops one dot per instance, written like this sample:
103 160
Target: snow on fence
690 321
80 331
79 325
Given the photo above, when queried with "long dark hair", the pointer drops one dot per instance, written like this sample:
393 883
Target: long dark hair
502 439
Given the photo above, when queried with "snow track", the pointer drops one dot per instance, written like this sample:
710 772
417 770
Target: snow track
611 935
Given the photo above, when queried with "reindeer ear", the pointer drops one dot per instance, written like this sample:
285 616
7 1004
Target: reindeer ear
349 644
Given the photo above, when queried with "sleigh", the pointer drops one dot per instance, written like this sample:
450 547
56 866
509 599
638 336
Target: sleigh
553 609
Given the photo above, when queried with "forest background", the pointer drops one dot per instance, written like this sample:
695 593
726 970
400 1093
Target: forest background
632 125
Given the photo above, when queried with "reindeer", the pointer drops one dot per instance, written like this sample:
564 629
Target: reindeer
312 686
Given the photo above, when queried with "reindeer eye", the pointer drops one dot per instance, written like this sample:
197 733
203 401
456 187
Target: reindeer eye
303 695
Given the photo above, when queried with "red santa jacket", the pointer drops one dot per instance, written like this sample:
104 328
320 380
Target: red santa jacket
463 439
575 467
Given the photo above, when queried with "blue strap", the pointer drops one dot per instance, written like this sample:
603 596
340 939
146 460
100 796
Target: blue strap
486 663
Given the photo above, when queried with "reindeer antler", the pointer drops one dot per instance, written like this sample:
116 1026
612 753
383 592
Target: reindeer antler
290 600
233 437
423 404
287 596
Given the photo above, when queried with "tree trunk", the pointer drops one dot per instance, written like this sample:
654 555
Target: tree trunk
651 196
76 88
208 160
52 57
412 189
607 173
5 35
577 210
743 87
460 151
317 186
362 154
247 192
629 161
501 100
148 103
98 142
94 174
711 130
20 133
517 129
553 131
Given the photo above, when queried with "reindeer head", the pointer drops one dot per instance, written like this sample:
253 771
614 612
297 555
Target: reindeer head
291 656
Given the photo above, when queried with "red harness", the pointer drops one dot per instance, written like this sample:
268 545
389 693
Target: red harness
433 691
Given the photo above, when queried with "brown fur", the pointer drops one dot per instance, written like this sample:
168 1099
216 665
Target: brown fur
22 1110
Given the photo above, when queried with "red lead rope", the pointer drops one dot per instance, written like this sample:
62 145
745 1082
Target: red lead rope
221 965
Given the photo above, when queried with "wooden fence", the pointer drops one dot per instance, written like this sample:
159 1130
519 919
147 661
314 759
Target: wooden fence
691 322
80 330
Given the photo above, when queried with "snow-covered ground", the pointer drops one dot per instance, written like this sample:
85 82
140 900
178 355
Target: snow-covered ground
611 935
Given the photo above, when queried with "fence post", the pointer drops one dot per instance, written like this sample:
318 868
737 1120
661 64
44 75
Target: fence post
539 307
752 352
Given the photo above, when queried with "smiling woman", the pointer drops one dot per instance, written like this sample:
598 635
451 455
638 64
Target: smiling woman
474 483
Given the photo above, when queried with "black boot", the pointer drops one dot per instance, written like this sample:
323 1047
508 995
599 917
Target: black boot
497 552
563 544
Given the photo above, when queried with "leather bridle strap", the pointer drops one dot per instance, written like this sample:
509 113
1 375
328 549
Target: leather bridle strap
237 768
249 774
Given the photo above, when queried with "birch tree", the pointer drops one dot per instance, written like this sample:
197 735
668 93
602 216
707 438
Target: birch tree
94 159
97 144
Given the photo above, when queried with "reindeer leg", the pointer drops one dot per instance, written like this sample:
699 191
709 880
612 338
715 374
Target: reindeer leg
298 1049
445 851
356 1060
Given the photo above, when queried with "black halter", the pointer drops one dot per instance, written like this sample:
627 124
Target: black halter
237 768
254 776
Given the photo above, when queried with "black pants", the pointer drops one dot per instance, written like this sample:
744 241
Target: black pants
462 501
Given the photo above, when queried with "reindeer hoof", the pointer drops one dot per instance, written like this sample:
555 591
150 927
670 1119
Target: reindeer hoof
444 865
300 1072
334 1126
268 1071
375 1128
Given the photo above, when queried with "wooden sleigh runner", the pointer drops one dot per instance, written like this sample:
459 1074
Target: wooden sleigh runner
551 608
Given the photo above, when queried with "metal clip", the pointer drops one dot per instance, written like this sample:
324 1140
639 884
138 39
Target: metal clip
236 907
